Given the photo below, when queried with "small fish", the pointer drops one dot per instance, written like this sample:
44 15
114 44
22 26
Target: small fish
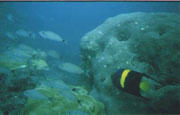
33 93
19 67
23 66
10 17
71 68
10 35
51 36
22 33
132 82
53 54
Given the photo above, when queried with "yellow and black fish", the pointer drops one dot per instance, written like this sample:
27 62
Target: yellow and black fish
132 82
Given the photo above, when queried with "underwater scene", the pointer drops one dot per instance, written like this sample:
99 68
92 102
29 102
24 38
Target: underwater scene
89 58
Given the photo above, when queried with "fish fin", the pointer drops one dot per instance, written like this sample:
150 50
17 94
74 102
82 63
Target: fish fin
144 86
144 98
151 78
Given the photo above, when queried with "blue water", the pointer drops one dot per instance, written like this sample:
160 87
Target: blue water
72 20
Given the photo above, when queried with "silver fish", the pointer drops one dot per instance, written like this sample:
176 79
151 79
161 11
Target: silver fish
33 93
51 36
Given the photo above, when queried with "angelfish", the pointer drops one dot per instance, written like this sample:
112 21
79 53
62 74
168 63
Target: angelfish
135 83
51 36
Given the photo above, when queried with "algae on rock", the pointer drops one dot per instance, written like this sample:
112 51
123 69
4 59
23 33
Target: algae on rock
167 100
59 105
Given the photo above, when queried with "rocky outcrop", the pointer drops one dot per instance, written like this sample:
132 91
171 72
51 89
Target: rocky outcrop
144 42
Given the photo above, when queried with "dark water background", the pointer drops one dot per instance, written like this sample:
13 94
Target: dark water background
72 20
